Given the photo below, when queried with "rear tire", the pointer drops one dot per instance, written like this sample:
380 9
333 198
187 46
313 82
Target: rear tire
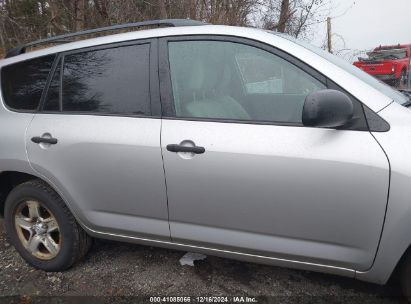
404 78
396 83
42 228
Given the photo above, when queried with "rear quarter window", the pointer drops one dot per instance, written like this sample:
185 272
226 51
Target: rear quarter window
114 81
22 83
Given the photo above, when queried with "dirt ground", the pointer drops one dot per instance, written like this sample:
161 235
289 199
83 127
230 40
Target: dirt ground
114 270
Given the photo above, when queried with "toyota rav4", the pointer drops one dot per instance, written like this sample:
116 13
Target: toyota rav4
230 141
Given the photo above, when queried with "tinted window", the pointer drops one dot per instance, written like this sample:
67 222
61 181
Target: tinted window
52 102
109 81
224 80
23 82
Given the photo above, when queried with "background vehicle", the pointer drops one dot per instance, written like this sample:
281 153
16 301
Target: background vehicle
230 141
388 63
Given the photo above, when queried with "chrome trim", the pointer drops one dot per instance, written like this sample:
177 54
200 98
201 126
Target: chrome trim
220 252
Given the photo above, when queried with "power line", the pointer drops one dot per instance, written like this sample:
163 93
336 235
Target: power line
345 12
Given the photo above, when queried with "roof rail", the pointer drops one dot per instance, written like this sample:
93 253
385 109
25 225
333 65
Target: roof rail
64 38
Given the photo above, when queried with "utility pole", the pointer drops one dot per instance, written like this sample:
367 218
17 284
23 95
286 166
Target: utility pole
329 34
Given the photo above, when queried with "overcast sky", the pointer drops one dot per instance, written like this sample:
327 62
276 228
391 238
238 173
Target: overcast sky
369 23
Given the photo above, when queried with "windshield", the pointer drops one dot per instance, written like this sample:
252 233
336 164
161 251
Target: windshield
338 61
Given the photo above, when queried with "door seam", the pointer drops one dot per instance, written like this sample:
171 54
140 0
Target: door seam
160 95
165 178
386 206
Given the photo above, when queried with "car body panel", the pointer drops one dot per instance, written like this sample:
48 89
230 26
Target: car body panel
396 236
241 256
13 128
109 168
303 193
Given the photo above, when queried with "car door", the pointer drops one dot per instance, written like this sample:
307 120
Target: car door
97 138
244 175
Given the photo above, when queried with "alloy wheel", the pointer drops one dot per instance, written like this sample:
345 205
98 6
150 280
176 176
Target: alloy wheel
37 229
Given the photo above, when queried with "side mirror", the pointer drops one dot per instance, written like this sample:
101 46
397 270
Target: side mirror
327 109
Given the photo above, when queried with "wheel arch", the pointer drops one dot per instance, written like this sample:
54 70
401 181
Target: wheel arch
400 263
11 179
8 181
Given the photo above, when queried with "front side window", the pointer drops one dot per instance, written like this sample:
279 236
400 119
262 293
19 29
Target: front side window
226 80
345 65
23 83
114 81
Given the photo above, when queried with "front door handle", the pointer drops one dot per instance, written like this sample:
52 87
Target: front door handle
45 140
180 148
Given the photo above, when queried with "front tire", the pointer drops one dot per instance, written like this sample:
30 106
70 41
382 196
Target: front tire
42 228
405 273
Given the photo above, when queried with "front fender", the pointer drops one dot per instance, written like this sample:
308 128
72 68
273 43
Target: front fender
396 235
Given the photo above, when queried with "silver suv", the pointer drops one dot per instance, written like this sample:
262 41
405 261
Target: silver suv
230 141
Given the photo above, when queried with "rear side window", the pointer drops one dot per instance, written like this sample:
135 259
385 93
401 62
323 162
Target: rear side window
114 81
23 83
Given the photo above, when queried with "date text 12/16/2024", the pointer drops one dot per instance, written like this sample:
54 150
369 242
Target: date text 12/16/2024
210 299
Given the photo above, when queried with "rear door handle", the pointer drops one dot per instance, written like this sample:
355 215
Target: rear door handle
45 140
180 148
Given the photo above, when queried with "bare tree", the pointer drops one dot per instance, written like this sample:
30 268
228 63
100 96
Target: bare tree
284 15
27 20
163 11
79 14
294 17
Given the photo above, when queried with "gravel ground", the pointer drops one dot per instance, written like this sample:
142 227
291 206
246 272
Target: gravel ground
123 270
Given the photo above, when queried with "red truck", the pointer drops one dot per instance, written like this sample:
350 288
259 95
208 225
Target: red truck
390 64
